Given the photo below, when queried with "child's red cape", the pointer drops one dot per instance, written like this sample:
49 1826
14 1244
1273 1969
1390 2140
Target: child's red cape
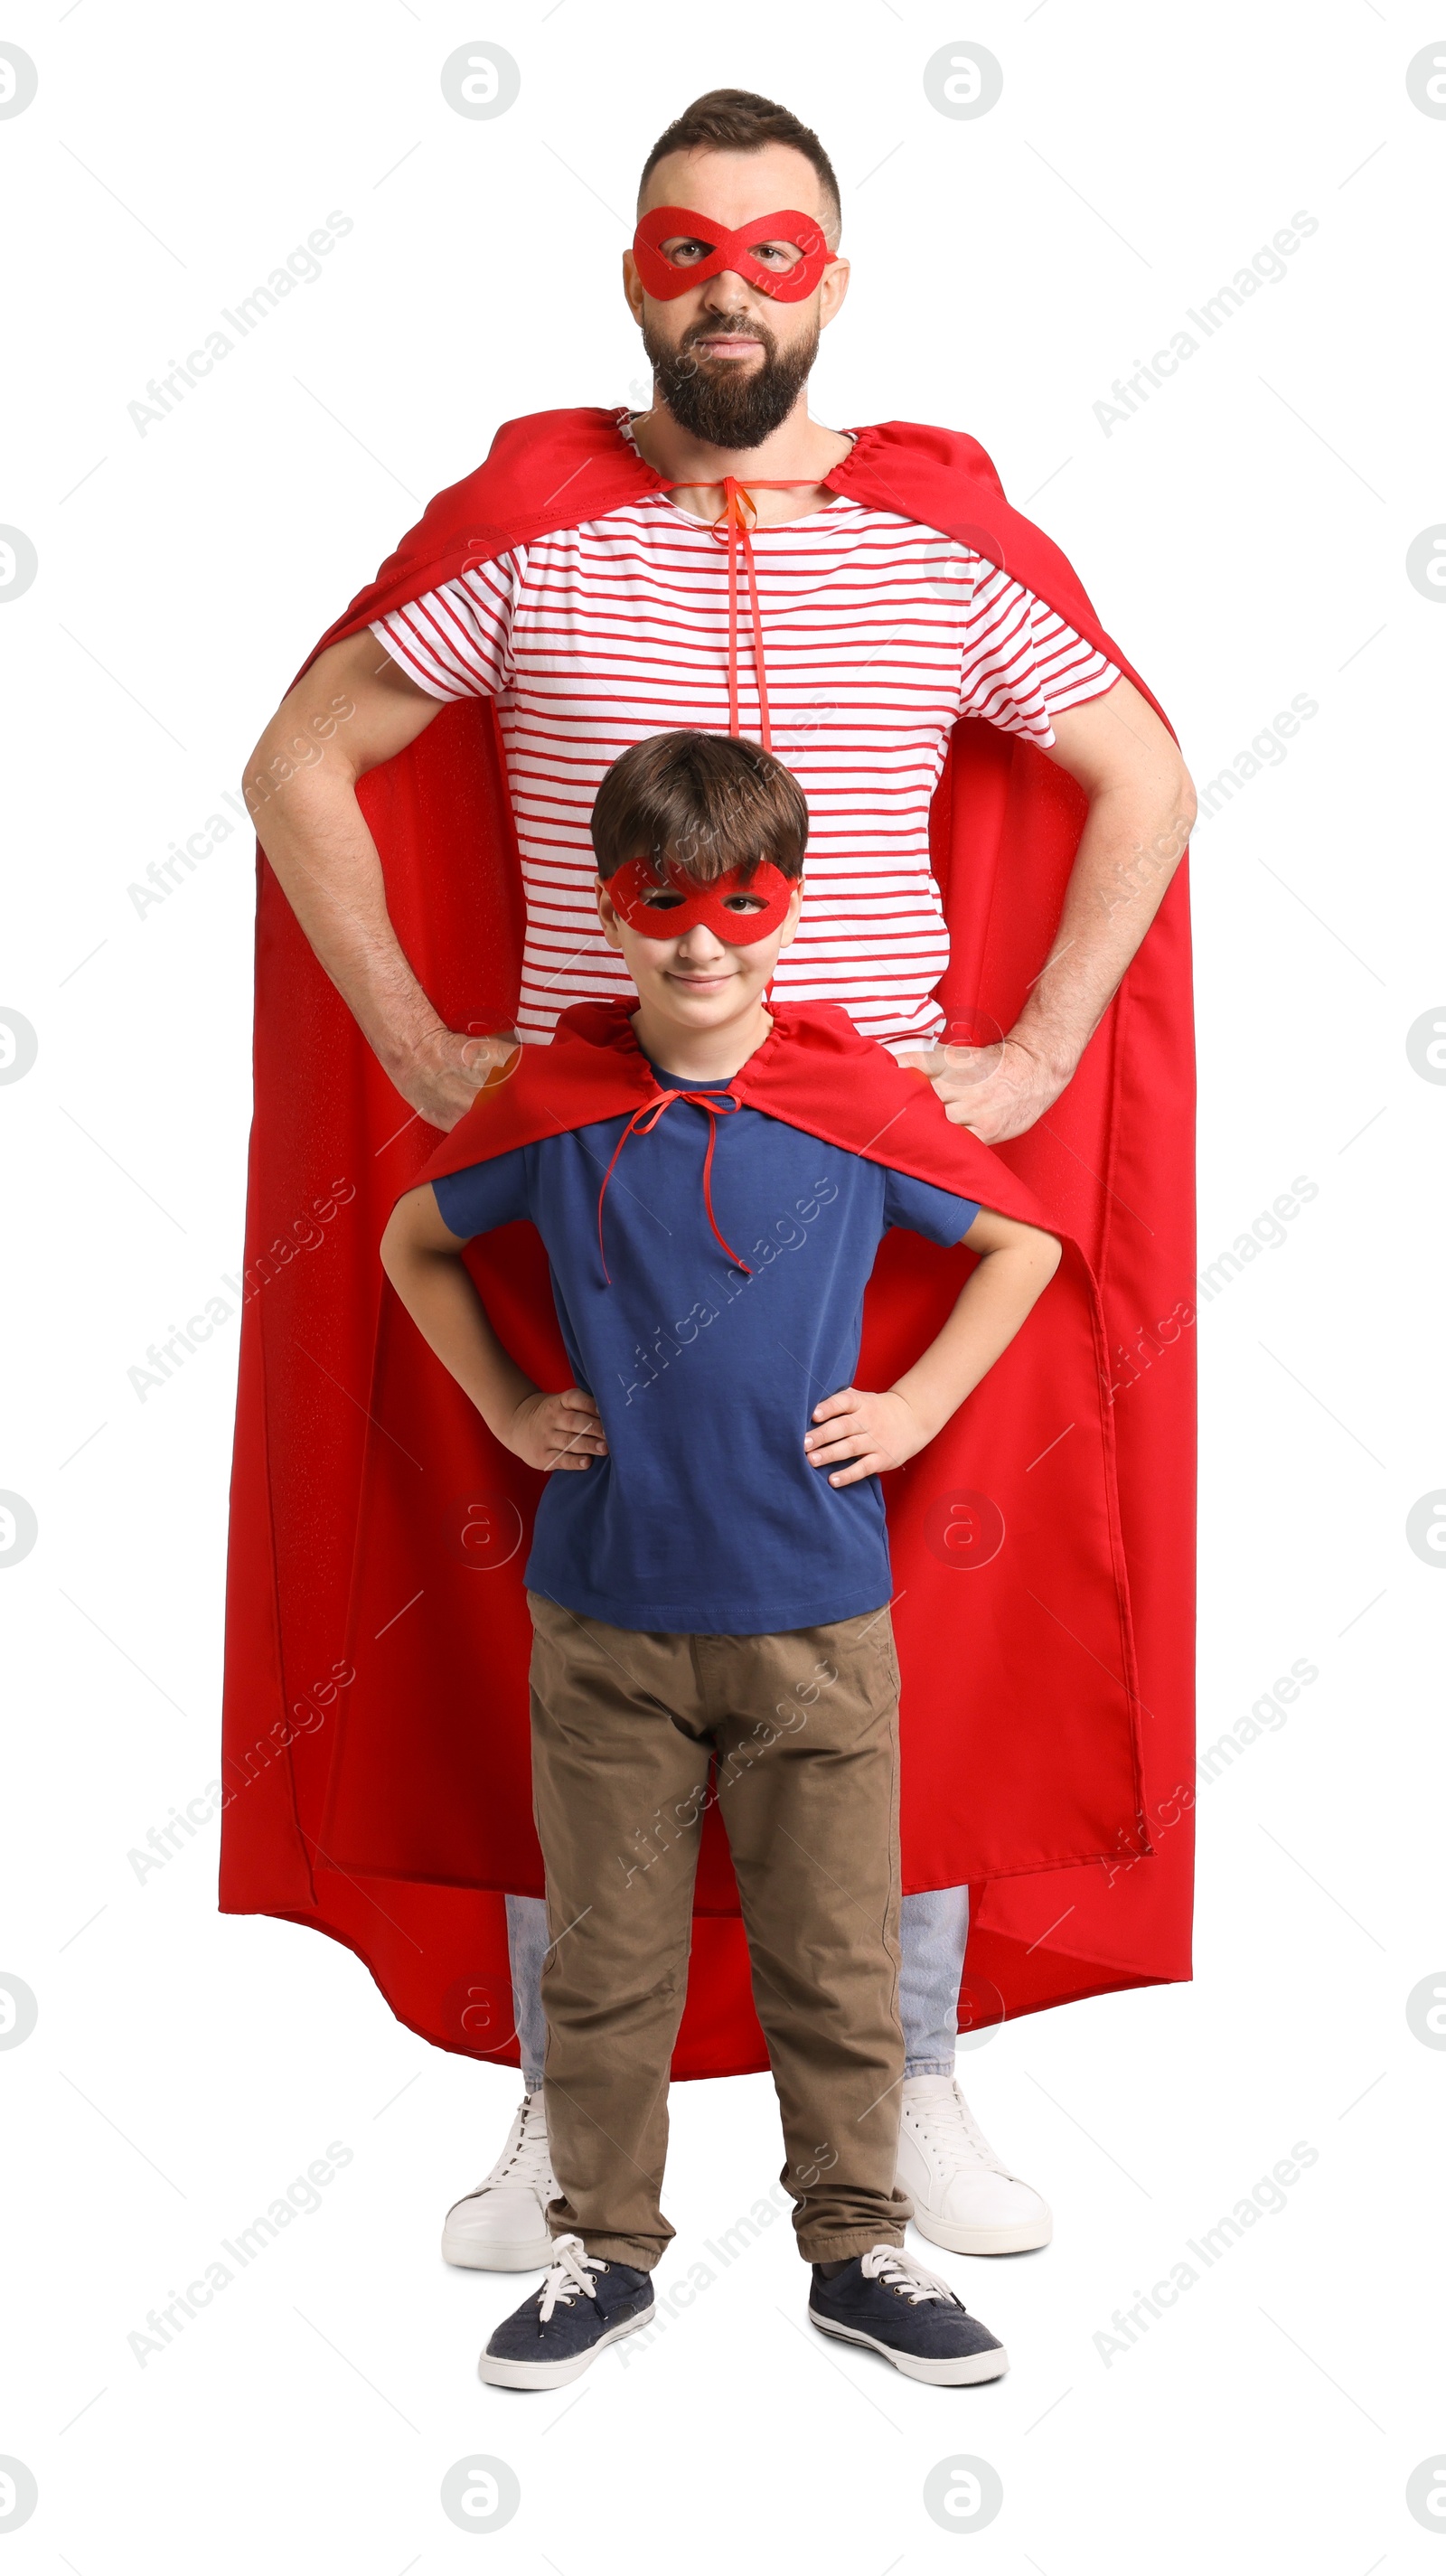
375 1757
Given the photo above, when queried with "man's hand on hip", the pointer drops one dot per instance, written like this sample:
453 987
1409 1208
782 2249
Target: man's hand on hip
351 710
1140 806
997 1091
445 1071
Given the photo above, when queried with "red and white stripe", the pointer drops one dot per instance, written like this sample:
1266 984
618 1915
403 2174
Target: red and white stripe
878 633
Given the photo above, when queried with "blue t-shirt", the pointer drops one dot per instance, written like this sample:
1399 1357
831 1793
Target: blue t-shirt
705 1516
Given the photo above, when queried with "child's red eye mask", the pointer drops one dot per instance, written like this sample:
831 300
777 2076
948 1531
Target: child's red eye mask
788 282
741 907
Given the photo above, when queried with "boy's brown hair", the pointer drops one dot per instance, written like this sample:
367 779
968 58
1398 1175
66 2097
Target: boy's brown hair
705 801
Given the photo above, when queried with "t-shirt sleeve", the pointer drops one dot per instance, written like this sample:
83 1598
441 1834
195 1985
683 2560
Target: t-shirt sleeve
941 1216
485 1195
1022 664
456 642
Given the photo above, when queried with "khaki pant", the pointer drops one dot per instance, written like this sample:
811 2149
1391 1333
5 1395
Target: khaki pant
803 1729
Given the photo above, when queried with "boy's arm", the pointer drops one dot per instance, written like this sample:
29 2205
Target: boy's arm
422 1257
858 1434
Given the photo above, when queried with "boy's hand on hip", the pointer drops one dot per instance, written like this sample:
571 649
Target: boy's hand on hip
550 1431
861 1435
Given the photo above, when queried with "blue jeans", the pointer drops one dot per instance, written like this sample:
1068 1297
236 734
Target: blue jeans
933 1929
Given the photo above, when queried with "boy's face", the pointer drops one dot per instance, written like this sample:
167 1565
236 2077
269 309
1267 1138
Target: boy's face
697 980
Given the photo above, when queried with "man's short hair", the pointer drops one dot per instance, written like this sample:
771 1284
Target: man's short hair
738 120
704 801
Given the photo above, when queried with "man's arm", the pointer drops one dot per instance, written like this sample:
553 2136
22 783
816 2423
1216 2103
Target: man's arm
876 1432
352 710
1141 808
422 1258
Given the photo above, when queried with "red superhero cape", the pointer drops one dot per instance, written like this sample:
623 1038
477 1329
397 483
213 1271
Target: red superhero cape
375 1758
1036 1439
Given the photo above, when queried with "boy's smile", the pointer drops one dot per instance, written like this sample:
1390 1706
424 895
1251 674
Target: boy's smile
702 978
701 1007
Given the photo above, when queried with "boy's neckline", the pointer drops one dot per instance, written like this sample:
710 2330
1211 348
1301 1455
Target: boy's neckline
668 1080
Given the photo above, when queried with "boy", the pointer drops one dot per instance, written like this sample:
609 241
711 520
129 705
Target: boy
709 1576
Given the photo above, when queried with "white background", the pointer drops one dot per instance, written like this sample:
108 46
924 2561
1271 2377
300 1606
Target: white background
1245 536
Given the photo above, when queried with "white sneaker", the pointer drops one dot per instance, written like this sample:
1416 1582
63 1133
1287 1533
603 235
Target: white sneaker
502 2226
963 2196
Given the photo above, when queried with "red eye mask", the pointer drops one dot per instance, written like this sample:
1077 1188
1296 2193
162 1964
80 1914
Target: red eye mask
635 883
664 278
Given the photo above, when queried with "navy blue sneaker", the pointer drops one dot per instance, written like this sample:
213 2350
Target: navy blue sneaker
889 2302
583 2304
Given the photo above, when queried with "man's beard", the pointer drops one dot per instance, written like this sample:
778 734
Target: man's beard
724 401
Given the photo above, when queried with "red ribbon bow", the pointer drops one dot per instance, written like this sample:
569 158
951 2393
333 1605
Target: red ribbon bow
641 1123
732 529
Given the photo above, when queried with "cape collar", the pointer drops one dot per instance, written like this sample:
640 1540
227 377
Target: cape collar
610 1025
865 443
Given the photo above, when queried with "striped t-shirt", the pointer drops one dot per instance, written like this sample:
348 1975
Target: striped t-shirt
878 634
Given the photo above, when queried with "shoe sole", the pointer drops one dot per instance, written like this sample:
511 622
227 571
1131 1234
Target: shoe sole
964 2370
532 2254
1024 2239
500 2371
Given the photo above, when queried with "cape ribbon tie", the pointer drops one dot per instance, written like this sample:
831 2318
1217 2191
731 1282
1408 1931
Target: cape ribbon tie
642 1123
732 528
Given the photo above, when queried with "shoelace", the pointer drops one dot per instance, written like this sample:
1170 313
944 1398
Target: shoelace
733 529
941 2123
567 2274
899 2271
641 1123
528 2154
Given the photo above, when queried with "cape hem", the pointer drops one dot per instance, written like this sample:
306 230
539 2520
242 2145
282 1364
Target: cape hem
1083 1979
512 1885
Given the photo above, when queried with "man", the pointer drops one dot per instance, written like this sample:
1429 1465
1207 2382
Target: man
725 562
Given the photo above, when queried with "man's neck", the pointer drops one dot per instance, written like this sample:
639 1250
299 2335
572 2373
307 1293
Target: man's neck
799 451
700 1055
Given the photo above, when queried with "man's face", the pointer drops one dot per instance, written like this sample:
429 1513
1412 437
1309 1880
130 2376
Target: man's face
730 360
